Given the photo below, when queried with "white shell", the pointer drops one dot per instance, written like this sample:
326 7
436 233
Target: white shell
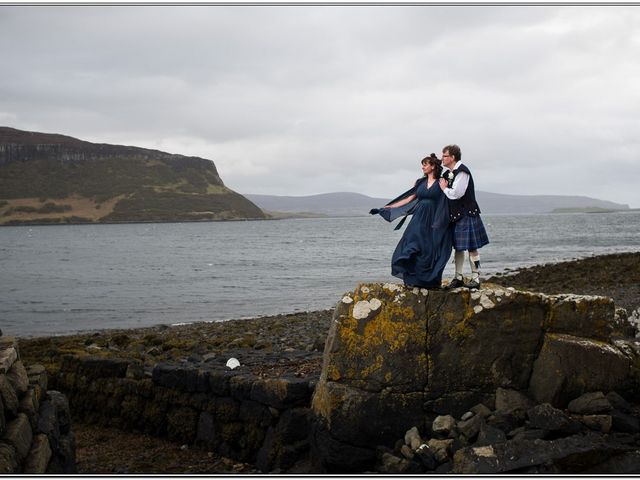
233 363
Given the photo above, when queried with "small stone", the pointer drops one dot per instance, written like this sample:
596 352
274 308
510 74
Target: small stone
406 451
426 457
589 404
470 428
600 423
466 416
440 448
481 410
546 417
412 438
443 424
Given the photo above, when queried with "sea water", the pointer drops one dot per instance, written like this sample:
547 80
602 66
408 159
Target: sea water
60 279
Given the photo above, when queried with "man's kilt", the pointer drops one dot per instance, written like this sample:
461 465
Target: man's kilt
469 233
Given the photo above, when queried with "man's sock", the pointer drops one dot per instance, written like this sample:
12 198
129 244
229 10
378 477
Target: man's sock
459 258
474 261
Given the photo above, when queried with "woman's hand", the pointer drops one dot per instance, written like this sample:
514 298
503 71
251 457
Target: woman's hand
443 184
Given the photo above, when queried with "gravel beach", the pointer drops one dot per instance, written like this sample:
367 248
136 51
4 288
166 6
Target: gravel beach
271 346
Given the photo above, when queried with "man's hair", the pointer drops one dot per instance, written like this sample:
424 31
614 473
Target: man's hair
453 150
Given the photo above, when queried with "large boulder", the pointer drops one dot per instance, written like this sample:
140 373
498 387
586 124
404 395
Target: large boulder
395 356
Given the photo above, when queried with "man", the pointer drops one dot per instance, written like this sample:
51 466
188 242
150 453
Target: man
469 233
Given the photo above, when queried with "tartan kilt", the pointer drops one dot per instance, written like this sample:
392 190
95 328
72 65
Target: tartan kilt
469 233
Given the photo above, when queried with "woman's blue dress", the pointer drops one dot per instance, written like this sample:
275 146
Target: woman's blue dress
425 247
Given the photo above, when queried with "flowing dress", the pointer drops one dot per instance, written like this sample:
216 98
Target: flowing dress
425 246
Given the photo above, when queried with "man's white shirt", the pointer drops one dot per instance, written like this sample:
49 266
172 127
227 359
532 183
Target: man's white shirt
460 184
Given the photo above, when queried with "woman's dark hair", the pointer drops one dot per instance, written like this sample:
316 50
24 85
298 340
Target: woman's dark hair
435 162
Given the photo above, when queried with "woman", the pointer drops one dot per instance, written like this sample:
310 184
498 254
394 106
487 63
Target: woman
425 247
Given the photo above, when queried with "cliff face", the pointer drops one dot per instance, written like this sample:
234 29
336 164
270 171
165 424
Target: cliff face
46 178
396 358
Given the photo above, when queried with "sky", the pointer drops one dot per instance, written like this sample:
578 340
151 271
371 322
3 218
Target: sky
301 99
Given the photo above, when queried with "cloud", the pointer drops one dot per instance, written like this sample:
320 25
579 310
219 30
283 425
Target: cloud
297 100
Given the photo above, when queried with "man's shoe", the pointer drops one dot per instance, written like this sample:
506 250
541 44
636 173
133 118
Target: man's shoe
455 283
473 284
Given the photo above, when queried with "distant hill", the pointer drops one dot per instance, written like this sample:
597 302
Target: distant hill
50 178
346 204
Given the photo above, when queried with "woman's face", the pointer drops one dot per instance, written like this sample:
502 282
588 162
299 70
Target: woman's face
427 168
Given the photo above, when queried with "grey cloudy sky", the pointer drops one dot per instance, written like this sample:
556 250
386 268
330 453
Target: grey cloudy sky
299 100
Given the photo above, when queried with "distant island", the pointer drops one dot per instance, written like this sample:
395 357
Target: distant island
349 204
50 179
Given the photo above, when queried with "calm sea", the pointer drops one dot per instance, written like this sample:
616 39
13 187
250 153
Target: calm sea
69 278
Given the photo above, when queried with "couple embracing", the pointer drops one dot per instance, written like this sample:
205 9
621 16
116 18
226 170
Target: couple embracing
445 214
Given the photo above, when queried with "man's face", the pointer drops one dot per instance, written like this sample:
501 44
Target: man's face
447 160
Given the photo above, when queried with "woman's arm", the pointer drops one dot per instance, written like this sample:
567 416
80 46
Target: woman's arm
402 202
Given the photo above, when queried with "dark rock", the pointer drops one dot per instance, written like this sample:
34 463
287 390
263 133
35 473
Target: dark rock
19 435
396 465
426 457
240 386
624 422
571 454
569 366
135 371
8 396
39 455
470 428
546 417
333 456
182 424
441 449
481 410
63 459
38 376
508 400
28 406
406 452
571 315
489 435
254 414
219 382
287 442
445 468
373 418
3 421
531 434
18 378
457 403
186 378
599 423
206 431
101 367
507 421
8 459
625 463
590 404
618 402
63 413
281 392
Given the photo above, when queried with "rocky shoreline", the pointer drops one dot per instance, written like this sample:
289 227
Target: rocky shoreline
273 346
